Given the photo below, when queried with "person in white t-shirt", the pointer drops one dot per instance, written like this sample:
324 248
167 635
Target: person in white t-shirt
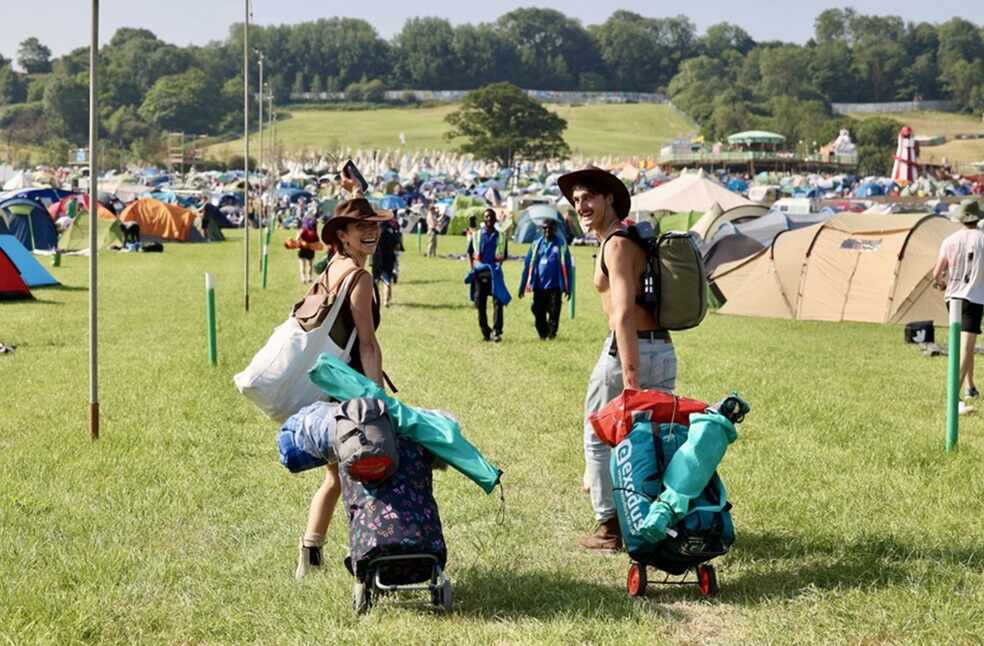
960 271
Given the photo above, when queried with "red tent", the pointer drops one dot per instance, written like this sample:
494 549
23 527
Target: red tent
11 284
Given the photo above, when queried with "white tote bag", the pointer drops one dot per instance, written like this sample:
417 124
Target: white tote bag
276 380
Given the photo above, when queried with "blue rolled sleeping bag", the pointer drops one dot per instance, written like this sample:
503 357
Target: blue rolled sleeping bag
640 468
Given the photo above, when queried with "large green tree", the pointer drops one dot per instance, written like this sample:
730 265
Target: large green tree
34 57
66 107
501 123
554 50
12 86
176 103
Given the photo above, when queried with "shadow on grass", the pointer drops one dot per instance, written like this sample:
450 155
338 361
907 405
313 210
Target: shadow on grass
860 563
64 288
436 306
499 594
424 282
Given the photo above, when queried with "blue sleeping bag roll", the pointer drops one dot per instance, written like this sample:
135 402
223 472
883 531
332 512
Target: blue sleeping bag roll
638 465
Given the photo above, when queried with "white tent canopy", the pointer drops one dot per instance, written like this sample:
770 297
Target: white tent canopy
20 180
690 192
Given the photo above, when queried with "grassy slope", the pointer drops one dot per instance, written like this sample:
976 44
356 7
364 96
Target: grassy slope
943 123
635 129
180 526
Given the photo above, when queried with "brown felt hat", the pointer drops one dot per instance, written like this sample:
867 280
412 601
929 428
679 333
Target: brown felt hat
355 210
601 181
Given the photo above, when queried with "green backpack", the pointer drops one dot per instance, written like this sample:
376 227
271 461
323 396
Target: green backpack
674 283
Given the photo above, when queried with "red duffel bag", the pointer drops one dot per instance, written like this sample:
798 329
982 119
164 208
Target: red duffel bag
613 422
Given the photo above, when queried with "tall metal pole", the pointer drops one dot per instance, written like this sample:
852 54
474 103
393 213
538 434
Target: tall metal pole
93 225
246 153
259 161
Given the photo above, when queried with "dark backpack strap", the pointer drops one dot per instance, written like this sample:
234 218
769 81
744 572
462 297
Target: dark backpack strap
628 233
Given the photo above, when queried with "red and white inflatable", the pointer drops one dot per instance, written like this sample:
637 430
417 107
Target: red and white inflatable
905 168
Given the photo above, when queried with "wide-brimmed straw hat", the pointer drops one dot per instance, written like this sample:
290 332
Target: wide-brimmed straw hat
355 210
968 212
600 180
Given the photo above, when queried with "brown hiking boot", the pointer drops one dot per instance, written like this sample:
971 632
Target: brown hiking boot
607 537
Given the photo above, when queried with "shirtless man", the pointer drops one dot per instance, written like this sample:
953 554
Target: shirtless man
635 354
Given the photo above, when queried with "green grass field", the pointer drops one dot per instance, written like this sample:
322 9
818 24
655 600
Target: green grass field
180 526
621 130
943 123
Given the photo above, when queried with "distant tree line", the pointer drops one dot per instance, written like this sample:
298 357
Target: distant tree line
723 78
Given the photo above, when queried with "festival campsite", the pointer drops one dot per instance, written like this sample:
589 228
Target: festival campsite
559 328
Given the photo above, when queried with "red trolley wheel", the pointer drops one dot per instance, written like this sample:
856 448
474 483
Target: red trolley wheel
707 580
635 582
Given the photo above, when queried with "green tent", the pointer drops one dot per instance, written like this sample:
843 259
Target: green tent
462 209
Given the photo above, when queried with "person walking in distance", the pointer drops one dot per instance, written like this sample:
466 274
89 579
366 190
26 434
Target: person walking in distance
547 274
487 249
636 354
433 224
960 271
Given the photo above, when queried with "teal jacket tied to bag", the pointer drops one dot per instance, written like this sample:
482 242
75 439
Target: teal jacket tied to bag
689 471
438 432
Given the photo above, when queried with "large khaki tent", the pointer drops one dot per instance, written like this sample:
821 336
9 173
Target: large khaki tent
690 192
160 221
853 267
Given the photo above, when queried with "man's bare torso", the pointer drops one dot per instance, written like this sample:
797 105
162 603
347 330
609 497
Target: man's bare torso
643 319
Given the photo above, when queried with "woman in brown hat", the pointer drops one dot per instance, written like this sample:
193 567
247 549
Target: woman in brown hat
353 233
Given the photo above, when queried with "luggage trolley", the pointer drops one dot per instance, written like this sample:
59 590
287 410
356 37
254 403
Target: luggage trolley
380 571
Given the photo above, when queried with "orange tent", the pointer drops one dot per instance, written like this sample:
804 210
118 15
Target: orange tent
162 221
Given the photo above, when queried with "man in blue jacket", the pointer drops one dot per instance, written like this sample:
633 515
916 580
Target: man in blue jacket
487 249
547 273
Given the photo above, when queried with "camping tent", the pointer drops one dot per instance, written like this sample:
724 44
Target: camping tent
690 192
20 180
678 221
530 221
712 220
27 265
853 267
29 223
159 221
12 286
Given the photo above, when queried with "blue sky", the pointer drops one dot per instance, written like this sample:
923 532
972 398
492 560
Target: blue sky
63 25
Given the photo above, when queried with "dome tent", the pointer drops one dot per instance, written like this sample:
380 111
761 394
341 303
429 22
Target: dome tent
530 221
159 221
29 223
853 267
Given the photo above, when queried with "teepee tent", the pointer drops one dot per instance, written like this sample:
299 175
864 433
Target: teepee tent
853 267
690 192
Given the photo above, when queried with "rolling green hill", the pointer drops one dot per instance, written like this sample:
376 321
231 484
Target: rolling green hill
628 130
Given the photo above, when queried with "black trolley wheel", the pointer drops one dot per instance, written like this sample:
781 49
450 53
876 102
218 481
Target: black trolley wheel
635 581
447 597
707 580
361 597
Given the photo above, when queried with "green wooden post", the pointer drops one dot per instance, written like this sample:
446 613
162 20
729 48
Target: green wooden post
572 298
213 352
266 257
953 377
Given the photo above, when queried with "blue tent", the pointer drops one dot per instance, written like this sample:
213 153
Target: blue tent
293 194
530 221
30 223
738 186
30 269
44 196
391 202
869 190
